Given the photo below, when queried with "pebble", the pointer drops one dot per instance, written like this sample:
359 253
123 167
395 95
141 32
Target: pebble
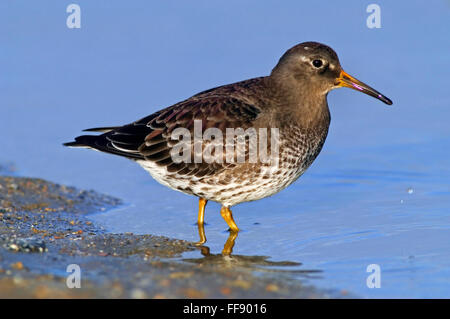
138 294
27 245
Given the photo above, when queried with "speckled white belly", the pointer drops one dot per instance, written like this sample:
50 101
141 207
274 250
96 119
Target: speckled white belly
247 181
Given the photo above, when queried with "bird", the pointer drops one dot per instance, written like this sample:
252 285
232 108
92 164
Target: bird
286 113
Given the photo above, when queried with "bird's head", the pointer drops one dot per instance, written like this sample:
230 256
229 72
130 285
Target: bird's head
315 67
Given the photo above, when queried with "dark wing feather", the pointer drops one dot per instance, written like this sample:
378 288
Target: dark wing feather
151 137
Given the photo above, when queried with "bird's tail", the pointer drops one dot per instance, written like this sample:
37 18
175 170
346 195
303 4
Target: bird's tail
102 143
89 141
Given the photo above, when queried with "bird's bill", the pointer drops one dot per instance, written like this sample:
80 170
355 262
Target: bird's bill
349 81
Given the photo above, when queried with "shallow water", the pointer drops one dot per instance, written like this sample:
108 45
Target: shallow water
377 194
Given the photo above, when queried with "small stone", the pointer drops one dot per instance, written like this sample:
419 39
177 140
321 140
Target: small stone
13 247
272 288
225 291
241 284
193 293
27 245
138 294
18 265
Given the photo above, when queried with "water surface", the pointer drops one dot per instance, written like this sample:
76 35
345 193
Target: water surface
377 194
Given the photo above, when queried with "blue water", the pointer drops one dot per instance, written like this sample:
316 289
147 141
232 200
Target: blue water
377 194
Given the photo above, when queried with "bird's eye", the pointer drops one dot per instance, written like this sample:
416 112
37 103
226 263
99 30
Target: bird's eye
317 63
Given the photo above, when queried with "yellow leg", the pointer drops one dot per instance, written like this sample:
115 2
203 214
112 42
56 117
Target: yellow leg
228 216
201 219
201 210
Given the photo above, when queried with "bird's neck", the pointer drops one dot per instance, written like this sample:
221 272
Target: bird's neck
306 108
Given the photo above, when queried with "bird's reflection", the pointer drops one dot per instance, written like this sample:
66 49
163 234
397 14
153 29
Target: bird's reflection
226 259
227 248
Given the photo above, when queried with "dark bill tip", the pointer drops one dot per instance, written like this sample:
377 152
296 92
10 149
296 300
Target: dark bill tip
346 80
